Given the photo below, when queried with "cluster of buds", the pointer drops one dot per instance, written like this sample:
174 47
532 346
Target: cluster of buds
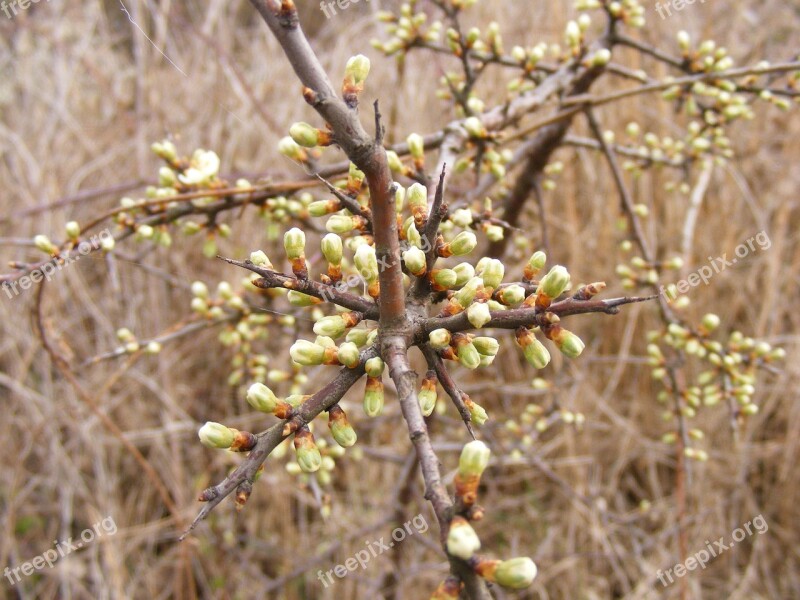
406 30
729 375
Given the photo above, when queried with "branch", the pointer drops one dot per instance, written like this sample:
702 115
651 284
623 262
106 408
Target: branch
269 439
328 293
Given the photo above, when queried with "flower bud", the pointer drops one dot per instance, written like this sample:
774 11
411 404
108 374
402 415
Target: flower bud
301 300
308 455
486 346
294 242
73 230
439 338
262 398
260 259
349 355
291 149
467 354
515 574
443 279
493 273
555 282
108 243
416 146
374 366
511 295
307 353
305 135
356 71
461 217
366 262
395 164
710 322
569 343
165 150
332 246
467 294
43 243
427 394
475 128
199 289
373 397
478 314
360 337
462 244
341 430
474 459
215 435
477 413
462 541
535 352
464 272
415 261
417 196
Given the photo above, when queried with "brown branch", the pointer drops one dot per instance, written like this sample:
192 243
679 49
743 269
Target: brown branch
449 385
526 317
268 440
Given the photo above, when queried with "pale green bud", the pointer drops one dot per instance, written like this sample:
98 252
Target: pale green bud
288 147
260 259
512 295
463 243
477 413
357 70
536 354
294 242
373 397
474 459
468 355
516 574
358 336
395 164
73 230
332 248
462 541
300 299
478 314
417 196
461 217
199 289
349 355
570 344
366 262
307 454
374 366
466 294
464 272
215 435
307 353
341 430
445 278
304 134
416 146
486 346
711 322
555 282
108 243
333 326
415 260
262 398
439 338
493 273
43 243
474 127
341 224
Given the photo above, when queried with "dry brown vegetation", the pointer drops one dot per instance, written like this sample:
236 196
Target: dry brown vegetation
82 96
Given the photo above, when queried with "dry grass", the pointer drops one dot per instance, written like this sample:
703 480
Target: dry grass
83 94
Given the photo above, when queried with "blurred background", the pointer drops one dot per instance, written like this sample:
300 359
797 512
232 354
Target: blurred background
84 91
